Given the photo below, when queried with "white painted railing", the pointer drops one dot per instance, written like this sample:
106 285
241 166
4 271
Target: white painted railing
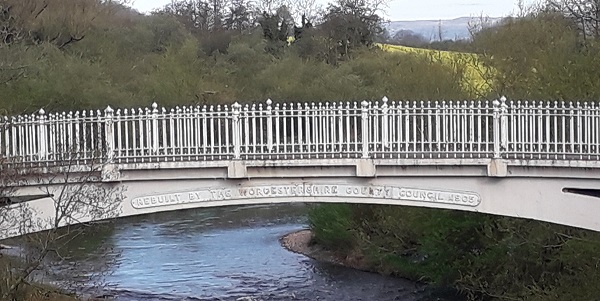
527 130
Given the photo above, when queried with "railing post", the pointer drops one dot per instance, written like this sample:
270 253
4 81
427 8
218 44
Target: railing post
109 133
237 138
155 128
500 126
503 123
384 123
269 125
365 128
42 135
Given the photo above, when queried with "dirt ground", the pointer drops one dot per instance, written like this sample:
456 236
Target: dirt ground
301 242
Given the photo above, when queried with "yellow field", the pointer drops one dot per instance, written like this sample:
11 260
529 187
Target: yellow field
476 76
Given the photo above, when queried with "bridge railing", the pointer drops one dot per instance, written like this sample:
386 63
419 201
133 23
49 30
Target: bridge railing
396 130
551 130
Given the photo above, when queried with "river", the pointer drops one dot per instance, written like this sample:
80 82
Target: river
230 253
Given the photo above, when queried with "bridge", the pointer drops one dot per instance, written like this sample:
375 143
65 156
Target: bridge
529 159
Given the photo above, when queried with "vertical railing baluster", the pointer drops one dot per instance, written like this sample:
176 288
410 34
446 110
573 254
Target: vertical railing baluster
571 128
164 134
579 143
472 130
261 130
531 127
384 123
247 115
355 127
197 134
547 124
300 121
143 135
496 125
135 137
119 133
109 133
539 126
330 126
227 132
284 119
42 132
315 130
438 129
348 128
154 128
8 151
277 132
586 128
594 131
309 128
237 139
321 130
204 131
293 131
340 130
556 142
365 128
392 138
219 132
269 126
520 130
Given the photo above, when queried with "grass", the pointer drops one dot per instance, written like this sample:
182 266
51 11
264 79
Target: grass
28 292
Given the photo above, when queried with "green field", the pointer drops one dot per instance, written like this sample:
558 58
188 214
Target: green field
476 76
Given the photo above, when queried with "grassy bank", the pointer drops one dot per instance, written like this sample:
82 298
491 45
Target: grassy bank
27 291
484 257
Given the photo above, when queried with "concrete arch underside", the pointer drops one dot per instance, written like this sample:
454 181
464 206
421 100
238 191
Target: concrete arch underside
546 194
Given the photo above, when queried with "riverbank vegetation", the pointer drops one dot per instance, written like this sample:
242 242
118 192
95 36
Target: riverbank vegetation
87 54
483 257
28 291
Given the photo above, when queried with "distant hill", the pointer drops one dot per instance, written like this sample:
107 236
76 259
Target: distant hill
455 29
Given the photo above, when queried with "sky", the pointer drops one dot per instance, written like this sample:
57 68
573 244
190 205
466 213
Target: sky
405 10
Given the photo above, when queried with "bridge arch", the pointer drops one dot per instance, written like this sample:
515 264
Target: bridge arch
547 194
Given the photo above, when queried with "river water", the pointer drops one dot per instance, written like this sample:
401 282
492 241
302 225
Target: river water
230 253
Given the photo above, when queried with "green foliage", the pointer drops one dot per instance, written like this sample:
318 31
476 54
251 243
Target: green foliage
351 24
332 225
540 57
483 256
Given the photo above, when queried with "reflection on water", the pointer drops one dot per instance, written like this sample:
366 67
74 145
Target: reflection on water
222 254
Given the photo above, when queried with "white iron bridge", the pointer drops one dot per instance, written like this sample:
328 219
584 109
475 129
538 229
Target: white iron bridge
529 159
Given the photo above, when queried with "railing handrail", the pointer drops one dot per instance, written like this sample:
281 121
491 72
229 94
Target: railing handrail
369 130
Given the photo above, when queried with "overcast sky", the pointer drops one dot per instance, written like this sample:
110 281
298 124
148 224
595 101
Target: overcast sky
413 9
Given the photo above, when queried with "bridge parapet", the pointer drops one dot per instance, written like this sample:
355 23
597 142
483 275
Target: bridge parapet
420 130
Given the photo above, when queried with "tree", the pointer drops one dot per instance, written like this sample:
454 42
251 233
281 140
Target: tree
77 195
276 29
201 16
349 24
408 38
584 13
306 10
12 34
